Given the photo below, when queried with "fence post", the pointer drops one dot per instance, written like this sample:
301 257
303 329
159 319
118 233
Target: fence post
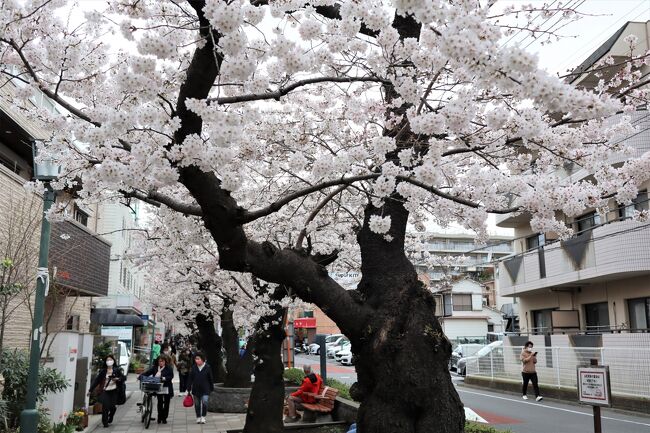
602 356
491 366
556 363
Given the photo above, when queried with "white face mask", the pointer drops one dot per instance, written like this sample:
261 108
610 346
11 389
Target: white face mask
109 363
530 349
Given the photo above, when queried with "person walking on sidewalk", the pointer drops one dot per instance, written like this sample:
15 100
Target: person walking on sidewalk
200 384
184 366
165 372
528 359
107 385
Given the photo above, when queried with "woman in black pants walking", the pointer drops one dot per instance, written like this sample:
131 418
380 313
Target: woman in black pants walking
106 386
200 384
166 373
528 359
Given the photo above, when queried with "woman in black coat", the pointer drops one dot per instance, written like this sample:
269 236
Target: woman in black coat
200 384
107 385
166 373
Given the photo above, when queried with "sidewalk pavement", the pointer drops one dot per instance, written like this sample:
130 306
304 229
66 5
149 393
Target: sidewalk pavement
180 420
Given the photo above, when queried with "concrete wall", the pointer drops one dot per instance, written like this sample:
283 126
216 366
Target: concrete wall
615 293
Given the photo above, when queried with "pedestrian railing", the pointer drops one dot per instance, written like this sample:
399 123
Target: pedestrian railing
629 367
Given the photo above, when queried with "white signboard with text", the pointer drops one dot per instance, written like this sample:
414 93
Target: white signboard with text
593 385
123 333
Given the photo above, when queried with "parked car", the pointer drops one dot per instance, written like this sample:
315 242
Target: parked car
314 349
344 356
482 357
345 347
335 346
462 351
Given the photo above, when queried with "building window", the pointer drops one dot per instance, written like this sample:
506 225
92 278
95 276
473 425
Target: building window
72 324
307 313
447 305
462 302
535 241
640 203
597 316
80 216
587 221
542 321
639 312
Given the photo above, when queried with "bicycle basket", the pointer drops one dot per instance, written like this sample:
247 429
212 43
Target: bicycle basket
151 386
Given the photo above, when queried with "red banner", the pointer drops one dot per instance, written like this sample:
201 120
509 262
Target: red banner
305 322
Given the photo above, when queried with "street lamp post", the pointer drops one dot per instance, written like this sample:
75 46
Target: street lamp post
45 171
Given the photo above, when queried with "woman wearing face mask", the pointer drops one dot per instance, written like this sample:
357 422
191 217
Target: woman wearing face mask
528 359
167 350
106 387
200 384
165 372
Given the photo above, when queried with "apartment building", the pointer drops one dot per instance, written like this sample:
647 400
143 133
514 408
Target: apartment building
78 259
597 281
123 313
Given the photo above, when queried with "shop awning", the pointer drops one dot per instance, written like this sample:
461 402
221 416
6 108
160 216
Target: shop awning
111 317
305 322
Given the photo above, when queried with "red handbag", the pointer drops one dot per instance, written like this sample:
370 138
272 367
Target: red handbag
188 401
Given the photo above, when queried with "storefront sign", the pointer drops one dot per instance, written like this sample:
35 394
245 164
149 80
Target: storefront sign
121 332
593 385
305 322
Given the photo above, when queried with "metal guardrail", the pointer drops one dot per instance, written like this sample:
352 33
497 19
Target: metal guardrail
556 366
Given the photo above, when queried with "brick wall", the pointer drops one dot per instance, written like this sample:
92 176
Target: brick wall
19 219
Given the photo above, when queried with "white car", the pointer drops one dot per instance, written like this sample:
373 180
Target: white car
314 349
344 356
344 348
335 345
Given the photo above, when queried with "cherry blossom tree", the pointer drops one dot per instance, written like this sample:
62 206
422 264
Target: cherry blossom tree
309 134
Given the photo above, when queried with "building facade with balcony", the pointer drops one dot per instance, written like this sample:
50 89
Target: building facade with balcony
597 281
78 260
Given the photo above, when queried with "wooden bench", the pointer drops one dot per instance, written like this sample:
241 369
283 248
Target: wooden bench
324 404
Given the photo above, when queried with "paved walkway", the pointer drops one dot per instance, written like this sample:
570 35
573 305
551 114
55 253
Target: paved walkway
180 420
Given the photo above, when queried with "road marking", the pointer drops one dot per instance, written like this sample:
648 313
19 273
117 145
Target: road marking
553 408
470 415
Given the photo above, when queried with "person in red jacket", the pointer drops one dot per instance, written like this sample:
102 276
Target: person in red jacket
311 384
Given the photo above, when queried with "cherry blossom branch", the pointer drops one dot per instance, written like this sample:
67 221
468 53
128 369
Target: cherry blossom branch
156 199
315 212
453 198
249 216
282 91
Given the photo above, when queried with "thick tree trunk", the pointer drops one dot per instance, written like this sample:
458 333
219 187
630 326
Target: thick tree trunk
267 397
401 357
210 344
238 368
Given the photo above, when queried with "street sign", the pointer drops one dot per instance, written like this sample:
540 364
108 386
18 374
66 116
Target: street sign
144 317
593 385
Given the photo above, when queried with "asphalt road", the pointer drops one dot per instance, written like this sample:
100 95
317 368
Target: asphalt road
511 412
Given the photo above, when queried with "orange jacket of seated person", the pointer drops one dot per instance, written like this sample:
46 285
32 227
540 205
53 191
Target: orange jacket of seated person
311 383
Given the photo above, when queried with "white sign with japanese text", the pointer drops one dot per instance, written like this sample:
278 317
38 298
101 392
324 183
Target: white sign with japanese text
593 385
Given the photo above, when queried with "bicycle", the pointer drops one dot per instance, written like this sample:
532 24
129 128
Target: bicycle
149 386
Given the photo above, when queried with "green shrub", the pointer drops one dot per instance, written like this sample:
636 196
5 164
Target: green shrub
344 388
63 428
474 427
294 375
14 366
44 423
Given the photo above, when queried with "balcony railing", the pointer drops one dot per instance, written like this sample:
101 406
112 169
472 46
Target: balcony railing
81 259
602 251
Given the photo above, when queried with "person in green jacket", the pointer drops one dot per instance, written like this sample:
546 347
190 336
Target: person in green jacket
155 352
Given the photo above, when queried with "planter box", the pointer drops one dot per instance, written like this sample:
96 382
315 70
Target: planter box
139 370
97 408
233 400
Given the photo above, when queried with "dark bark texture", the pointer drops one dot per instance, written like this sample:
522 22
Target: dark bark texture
267 396
238 368
210 344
